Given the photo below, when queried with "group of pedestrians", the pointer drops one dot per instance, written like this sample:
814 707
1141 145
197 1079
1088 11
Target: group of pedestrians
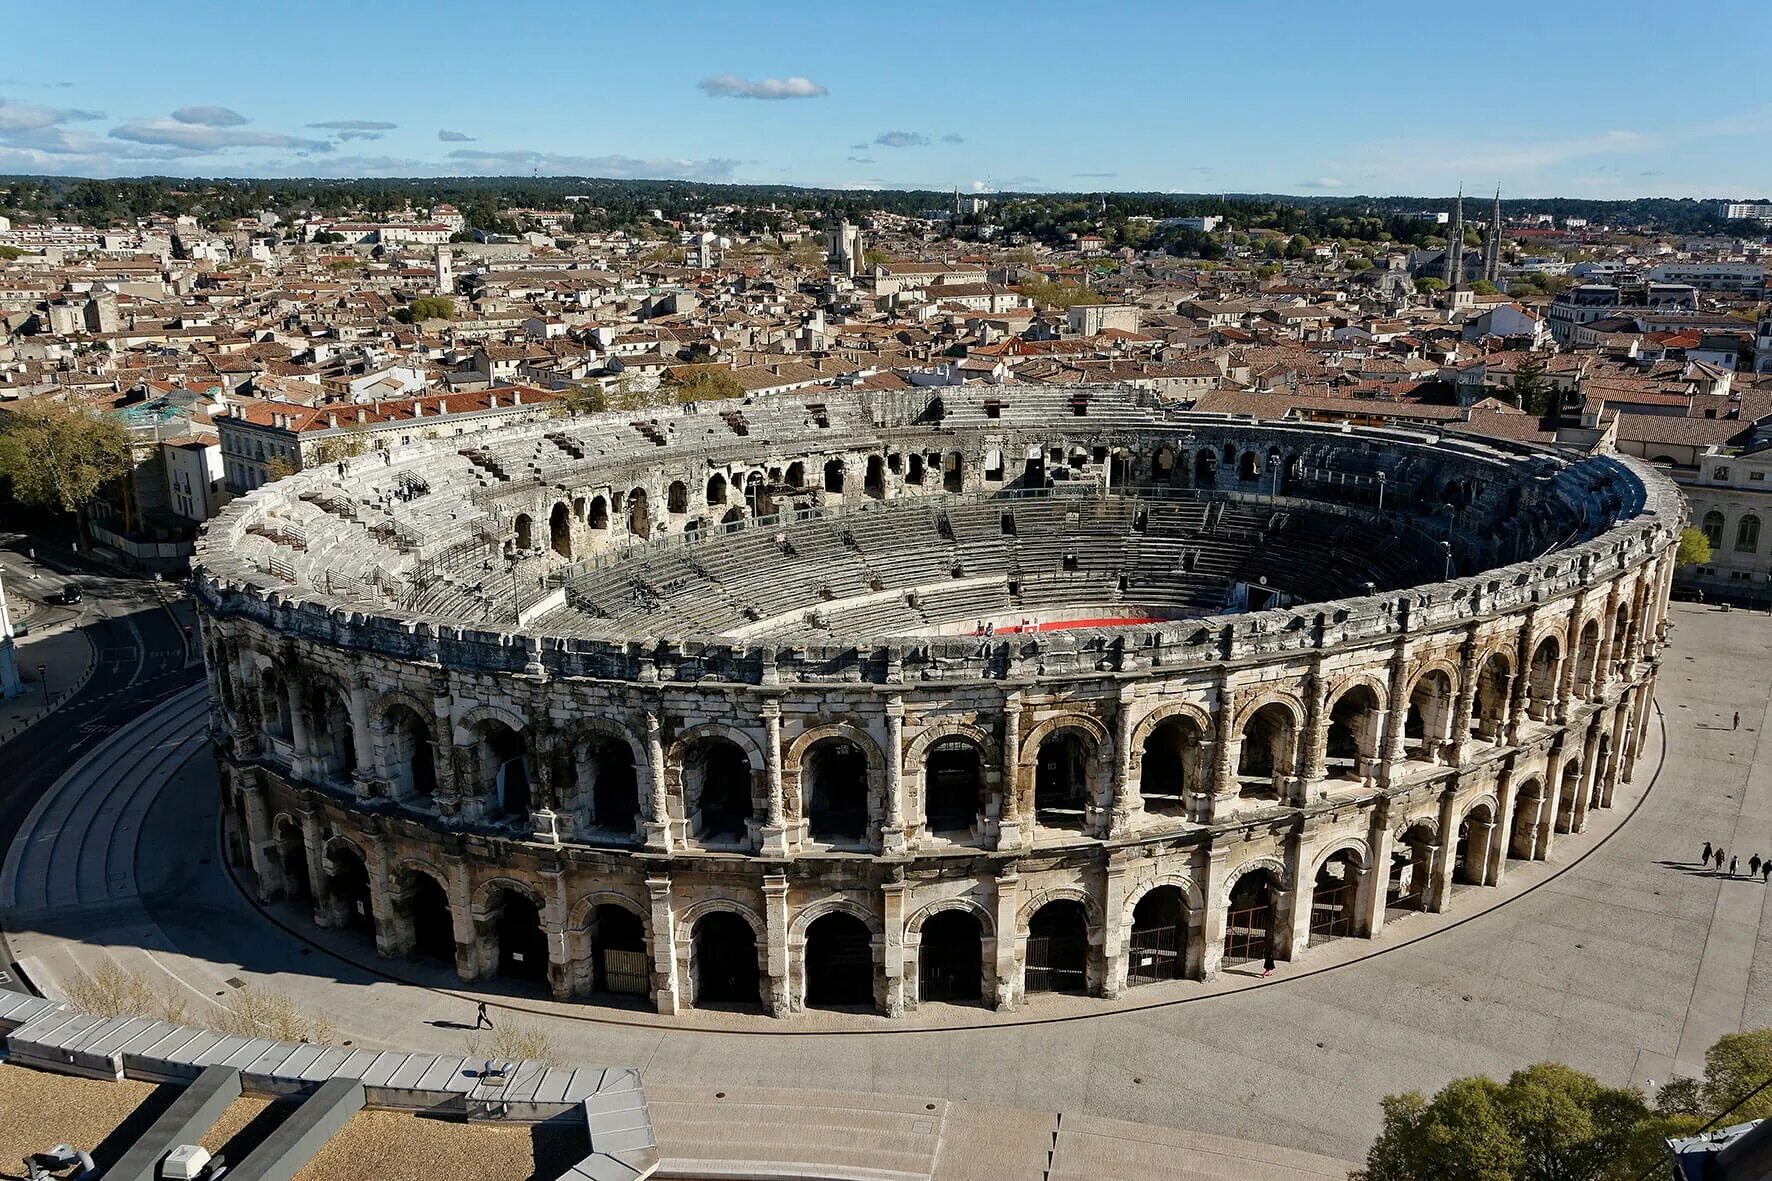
1757 867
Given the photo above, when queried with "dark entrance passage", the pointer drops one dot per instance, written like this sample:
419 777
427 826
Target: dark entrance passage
1058 948
348 883
723 960
618 953
433 928
952 780
1249 918
1159 936
1411 868
522 942
839 963
950 958
1061 780
721 776
292 861
1333 897
836 787
615 795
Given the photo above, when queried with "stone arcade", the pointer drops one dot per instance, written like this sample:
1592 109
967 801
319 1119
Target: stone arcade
876 701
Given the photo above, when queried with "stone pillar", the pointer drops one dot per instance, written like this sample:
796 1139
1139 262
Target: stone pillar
1519 688
1603 661
1214 897
313 844
1477 857
1504 825
892 909
555 917
1584 790
892 839
1127 802
1315 764
1376 881
388 937
1465 703
260 840
1114 933
1008 899
775 919
1009 828
775 828
656 825
1292 922
1227 745
461 909
301 762
1439 887
1397 717
664 944
365 778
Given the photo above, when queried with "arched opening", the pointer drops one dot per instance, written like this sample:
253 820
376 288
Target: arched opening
525 528
1206 470
953 785
1525 842
1249 466
833 476
1249 917
677 497
1428 726
1158 945
598 518
618 952
1713 529
796 475
834 780
560 530
950 958
521 939
716 489
734 516
426 906
1411 869
839 962
717 779
1352 744
1620 649
1470 864
292 862
1170 767
1061 779
1541 682
756 495
329 733
1334 896
1058 948
1747 534
993 465
615 792
411 758
874 482
273 703
913 469
1587 658
1568 794
639 515
347 885
953 472
1267 757
1489 711
503 768
723 960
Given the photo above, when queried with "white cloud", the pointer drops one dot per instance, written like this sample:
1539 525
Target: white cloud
454 137
517 162
1323 182
953 137
354 125
204 116
17 117
205 139
901 139
732 86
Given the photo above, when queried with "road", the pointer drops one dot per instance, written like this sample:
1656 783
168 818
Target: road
144 656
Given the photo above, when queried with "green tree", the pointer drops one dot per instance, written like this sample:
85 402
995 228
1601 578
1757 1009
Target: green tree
1738 1062
583 397
59 457
426 307
1484 287
1358 262
704 383
1532 393
277 469
1428 285
1693 550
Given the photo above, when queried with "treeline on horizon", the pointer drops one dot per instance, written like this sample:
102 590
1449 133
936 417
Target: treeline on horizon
617 204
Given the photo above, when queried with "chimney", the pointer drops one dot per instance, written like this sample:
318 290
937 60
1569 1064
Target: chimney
331 420
362 416
418 407
516 397
492 401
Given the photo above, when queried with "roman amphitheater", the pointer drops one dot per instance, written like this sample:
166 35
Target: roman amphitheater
872 701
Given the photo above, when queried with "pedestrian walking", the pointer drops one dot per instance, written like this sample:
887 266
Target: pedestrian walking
1753 866
1766 871
481 1019
1737 724
1731 867
1267 965
1704 857
1719 861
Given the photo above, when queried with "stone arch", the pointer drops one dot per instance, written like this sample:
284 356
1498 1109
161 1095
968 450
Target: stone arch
421 865
716 489
560 530
578 785
487 712
985 915
1291 702
1274 865
1191 710
795 754
833 904
678 781
597 515
1034 904
1089 724
592 966
1402 828
523 529
928 737
1191 895
695 912
486 893
1359 846
1488 799
677 497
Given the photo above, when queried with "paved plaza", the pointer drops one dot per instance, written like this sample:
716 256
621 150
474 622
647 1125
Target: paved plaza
1618 956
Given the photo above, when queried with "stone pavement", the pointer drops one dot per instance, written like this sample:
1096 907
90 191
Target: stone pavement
1620 957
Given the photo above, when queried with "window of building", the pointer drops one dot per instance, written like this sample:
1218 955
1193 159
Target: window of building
1713 529
1721 473
1756 475
1747 534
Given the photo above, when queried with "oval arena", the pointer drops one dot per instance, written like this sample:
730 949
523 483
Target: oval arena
866 700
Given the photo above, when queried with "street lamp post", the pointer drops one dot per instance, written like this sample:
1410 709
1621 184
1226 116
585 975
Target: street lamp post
1381 493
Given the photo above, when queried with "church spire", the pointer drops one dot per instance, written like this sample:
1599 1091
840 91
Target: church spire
1492 247
1455 246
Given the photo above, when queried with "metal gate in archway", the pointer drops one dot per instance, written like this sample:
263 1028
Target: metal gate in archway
1155 955
1056 963
1332 912
623 972
1246 933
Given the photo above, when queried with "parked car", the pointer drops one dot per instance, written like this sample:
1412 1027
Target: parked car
68 595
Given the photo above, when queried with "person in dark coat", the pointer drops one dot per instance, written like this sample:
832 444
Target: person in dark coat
481 1019
1267 965
1719 861
1731 867
1704 857
1753 866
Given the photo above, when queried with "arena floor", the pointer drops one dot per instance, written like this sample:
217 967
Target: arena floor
1617 956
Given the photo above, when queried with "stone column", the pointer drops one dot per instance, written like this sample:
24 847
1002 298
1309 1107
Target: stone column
461 903
1227 744
775 919
1009 834
1397 717
1127 802
555 917
1465 703
366 780
301 761
1315 765
313 844
1214 899
1603 662
1292 920
259 838
664 944
892 839
892 908
1375 884
1114 932
1584 790
775 840
1519 689
656 825
388 940
1504 825
1439 887
1008 900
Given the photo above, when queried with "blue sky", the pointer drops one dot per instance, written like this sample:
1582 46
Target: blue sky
1623 99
